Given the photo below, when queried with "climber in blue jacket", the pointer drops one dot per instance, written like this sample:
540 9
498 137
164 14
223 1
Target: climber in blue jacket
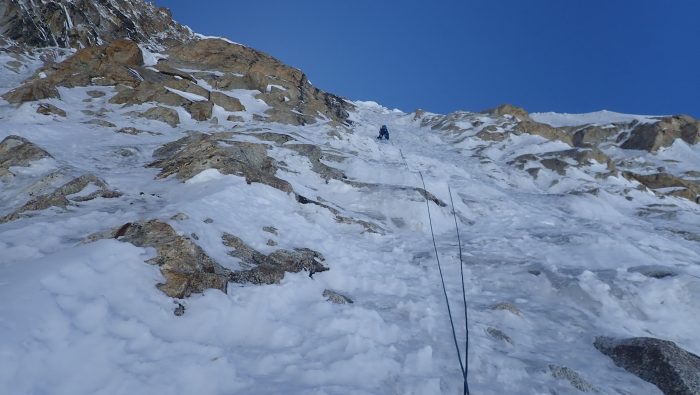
383 133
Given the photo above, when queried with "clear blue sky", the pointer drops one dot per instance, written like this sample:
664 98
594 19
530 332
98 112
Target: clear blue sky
634 56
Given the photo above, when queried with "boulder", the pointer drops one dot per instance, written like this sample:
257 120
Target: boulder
592 136
191 155
187 269
65 195
145 92
667 184
570 375
50 109
652 136
270 269
499 335
336 298
37 90
672 369
228 103
201 110
18 151
163 114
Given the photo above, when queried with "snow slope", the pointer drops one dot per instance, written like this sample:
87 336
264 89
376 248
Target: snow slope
86 318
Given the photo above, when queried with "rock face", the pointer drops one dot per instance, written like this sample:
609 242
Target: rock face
559 161
190 155
185 266
270 269
84 23
66 195
675 186
287 90
652 136
110 64
18 151
660 362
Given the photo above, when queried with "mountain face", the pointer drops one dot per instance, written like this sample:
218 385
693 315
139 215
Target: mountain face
84 23
183 214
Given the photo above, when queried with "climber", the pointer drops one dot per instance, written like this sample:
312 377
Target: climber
383 133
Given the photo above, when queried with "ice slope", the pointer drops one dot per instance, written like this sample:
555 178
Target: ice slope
86 318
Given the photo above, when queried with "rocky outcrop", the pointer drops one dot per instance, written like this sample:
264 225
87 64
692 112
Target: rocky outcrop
315 155
508 109
110 64
85 23
50 109
592 136
65 195
191 155
270 269
673 370
18 151
226 102
667 184
652 136
560 161
163 114
287 90
186 268
570 375
201 110
336 298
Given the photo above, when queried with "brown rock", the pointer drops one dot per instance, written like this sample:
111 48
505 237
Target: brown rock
187 269
228 103
679 187
191 155
18 151
163 114
652 136
201 110
508 109
50 109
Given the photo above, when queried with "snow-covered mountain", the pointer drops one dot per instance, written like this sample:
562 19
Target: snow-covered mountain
182 214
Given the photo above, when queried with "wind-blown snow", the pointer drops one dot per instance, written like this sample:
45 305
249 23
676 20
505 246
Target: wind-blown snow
84 318
595 118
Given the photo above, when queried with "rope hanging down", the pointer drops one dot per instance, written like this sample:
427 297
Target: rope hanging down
464 367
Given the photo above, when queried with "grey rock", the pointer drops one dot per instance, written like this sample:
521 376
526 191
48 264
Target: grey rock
570 375
62 198
67 23
505 306
336 298
18 151
270 229
499 335
191 155
270 269
652 136
657 272
673 370
50 109
179 310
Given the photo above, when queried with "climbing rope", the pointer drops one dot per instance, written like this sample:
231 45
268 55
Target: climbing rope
464 366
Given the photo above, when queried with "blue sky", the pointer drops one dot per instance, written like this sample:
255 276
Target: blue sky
634 56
